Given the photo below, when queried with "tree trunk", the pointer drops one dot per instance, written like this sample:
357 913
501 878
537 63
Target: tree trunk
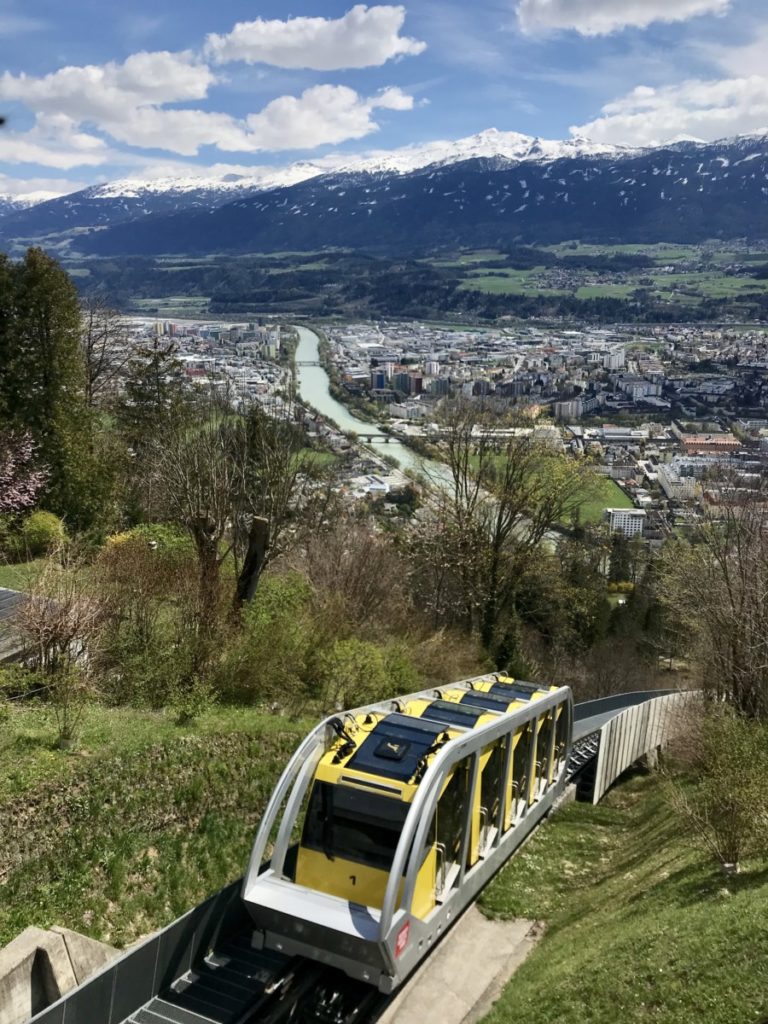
209 573
253 563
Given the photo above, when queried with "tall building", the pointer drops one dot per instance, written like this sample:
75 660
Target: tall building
432 368
629 521
378 379
440 386
402 382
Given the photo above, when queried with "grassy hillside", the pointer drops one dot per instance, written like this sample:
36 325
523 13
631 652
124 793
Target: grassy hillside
139 823
640 927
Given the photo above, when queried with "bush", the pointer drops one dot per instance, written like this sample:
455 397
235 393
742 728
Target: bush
267 660
724 801
40 534
165 539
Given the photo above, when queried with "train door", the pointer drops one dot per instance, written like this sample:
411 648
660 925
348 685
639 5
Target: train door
491 788
545 739
451 814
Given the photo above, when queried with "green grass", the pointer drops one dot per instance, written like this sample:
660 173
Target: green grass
509 283
601 494
135 825
28 754
660 251
640 927
21 575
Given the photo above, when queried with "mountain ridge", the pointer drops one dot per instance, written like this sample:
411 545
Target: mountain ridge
243 212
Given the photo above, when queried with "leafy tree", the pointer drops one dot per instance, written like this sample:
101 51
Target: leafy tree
507 492
152 392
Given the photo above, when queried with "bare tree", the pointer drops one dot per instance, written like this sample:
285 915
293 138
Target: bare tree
106 347
716 589
233 483
508 490
60 626
274 473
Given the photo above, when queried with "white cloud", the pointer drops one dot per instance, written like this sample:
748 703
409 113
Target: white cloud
364 37
101 93
321 115
54 141
702 109
750 58
128 101
37 190
601 17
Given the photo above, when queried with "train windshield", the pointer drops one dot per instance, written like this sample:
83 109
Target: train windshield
354 825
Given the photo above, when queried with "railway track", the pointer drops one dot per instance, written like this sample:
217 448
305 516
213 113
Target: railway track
235 984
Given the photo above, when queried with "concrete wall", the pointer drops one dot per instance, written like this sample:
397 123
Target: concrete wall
41 966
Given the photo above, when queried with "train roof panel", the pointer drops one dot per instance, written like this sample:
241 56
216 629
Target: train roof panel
487 700
452 714
515 691
395 746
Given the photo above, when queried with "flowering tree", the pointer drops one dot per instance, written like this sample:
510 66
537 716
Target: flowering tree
20 480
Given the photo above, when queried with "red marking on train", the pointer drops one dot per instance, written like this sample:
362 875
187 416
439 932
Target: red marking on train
402 938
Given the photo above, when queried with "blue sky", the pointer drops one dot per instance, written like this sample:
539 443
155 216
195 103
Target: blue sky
95 91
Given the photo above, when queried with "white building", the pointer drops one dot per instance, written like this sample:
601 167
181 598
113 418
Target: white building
614 360
629 521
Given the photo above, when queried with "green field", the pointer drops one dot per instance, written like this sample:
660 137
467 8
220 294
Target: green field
142 820
19 576
682 285
640 927
509 282
604 493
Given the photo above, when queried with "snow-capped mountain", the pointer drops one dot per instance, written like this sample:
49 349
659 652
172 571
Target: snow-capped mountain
490 188
128 199
13 204
491 143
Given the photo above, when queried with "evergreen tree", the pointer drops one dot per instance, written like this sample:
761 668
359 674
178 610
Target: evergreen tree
152 391
42 385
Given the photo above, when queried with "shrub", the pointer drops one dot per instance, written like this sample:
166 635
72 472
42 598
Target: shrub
40 534
352 672
167 540
267 660
724 802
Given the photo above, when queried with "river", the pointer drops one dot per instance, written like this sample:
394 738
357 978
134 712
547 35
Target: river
314 387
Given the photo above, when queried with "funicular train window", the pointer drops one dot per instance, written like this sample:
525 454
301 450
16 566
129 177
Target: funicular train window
451 821
354 825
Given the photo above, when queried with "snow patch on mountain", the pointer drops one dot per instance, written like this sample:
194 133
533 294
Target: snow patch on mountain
488 144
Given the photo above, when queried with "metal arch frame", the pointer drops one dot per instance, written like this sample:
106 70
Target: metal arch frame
324 733
395 964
